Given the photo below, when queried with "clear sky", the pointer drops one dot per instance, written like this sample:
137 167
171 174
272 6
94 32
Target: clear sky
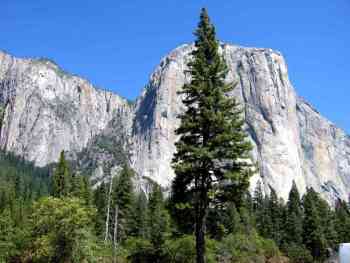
116 44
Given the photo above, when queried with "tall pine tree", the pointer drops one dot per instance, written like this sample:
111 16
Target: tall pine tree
313 234
61 178
158 222
342 221
123 197
211 162
294 219
140 216
100 202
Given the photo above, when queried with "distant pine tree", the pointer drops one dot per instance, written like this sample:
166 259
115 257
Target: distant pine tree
158 221
100 202
313 234
260 210
232 220
276 215
327 218
61 179
294 220
80 187
123 196
140 213
342 221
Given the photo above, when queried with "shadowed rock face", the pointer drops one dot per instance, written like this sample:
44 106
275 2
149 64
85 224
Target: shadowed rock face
47 110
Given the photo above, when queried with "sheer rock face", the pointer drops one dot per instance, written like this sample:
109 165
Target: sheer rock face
291 140
47 111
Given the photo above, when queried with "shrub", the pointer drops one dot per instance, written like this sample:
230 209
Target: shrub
298 254
183 250
62 229
139 250
246 248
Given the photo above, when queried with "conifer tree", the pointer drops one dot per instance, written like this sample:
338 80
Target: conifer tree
80 188
294 220
313 236
342 221
61 178
140 213
158 221
260 210
123 197
276 216
327 219
211 162
7 236
100 202
232 220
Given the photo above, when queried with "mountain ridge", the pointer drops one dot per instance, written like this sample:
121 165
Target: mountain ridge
292 141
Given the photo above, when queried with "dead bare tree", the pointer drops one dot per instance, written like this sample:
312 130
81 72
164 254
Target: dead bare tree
115 237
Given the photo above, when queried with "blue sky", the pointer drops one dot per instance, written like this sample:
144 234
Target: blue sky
117 44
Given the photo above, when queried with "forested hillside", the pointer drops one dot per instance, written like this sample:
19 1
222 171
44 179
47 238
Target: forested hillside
44 221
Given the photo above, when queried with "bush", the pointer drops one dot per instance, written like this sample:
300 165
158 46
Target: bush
62 229
183 250
298 254
246 248
139 250
180 250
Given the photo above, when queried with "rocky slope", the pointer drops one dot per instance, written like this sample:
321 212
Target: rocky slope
47 110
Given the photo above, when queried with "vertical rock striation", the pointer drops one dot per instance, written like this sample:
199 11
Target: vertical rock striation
285 131
46 110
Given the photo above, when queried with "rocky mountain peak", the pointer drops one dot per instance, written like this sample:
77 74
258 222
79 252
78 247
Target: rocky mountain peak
45 110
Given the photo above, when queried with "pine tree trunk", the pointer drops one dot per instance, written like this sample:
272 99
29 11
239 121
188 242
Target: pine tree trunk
200 242
200 228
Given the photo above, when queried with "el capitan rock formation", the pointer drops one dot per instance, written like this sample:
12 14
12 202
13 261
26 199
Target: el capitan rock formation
46 110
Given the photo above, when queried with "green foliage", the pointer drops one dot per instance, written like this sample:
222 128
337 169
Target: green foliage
232 220
313 234
123 197
80 188
20 184
62 180
61 231
298 253
67 227
100 202
20 181
276 214
246 248
327 221
12 238
213 147
308 227
140 216
157 220
294 219
139 250
342 221
182 250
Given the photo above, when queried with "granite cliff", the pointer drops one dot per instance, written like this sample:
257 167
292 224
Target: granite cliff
46 110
